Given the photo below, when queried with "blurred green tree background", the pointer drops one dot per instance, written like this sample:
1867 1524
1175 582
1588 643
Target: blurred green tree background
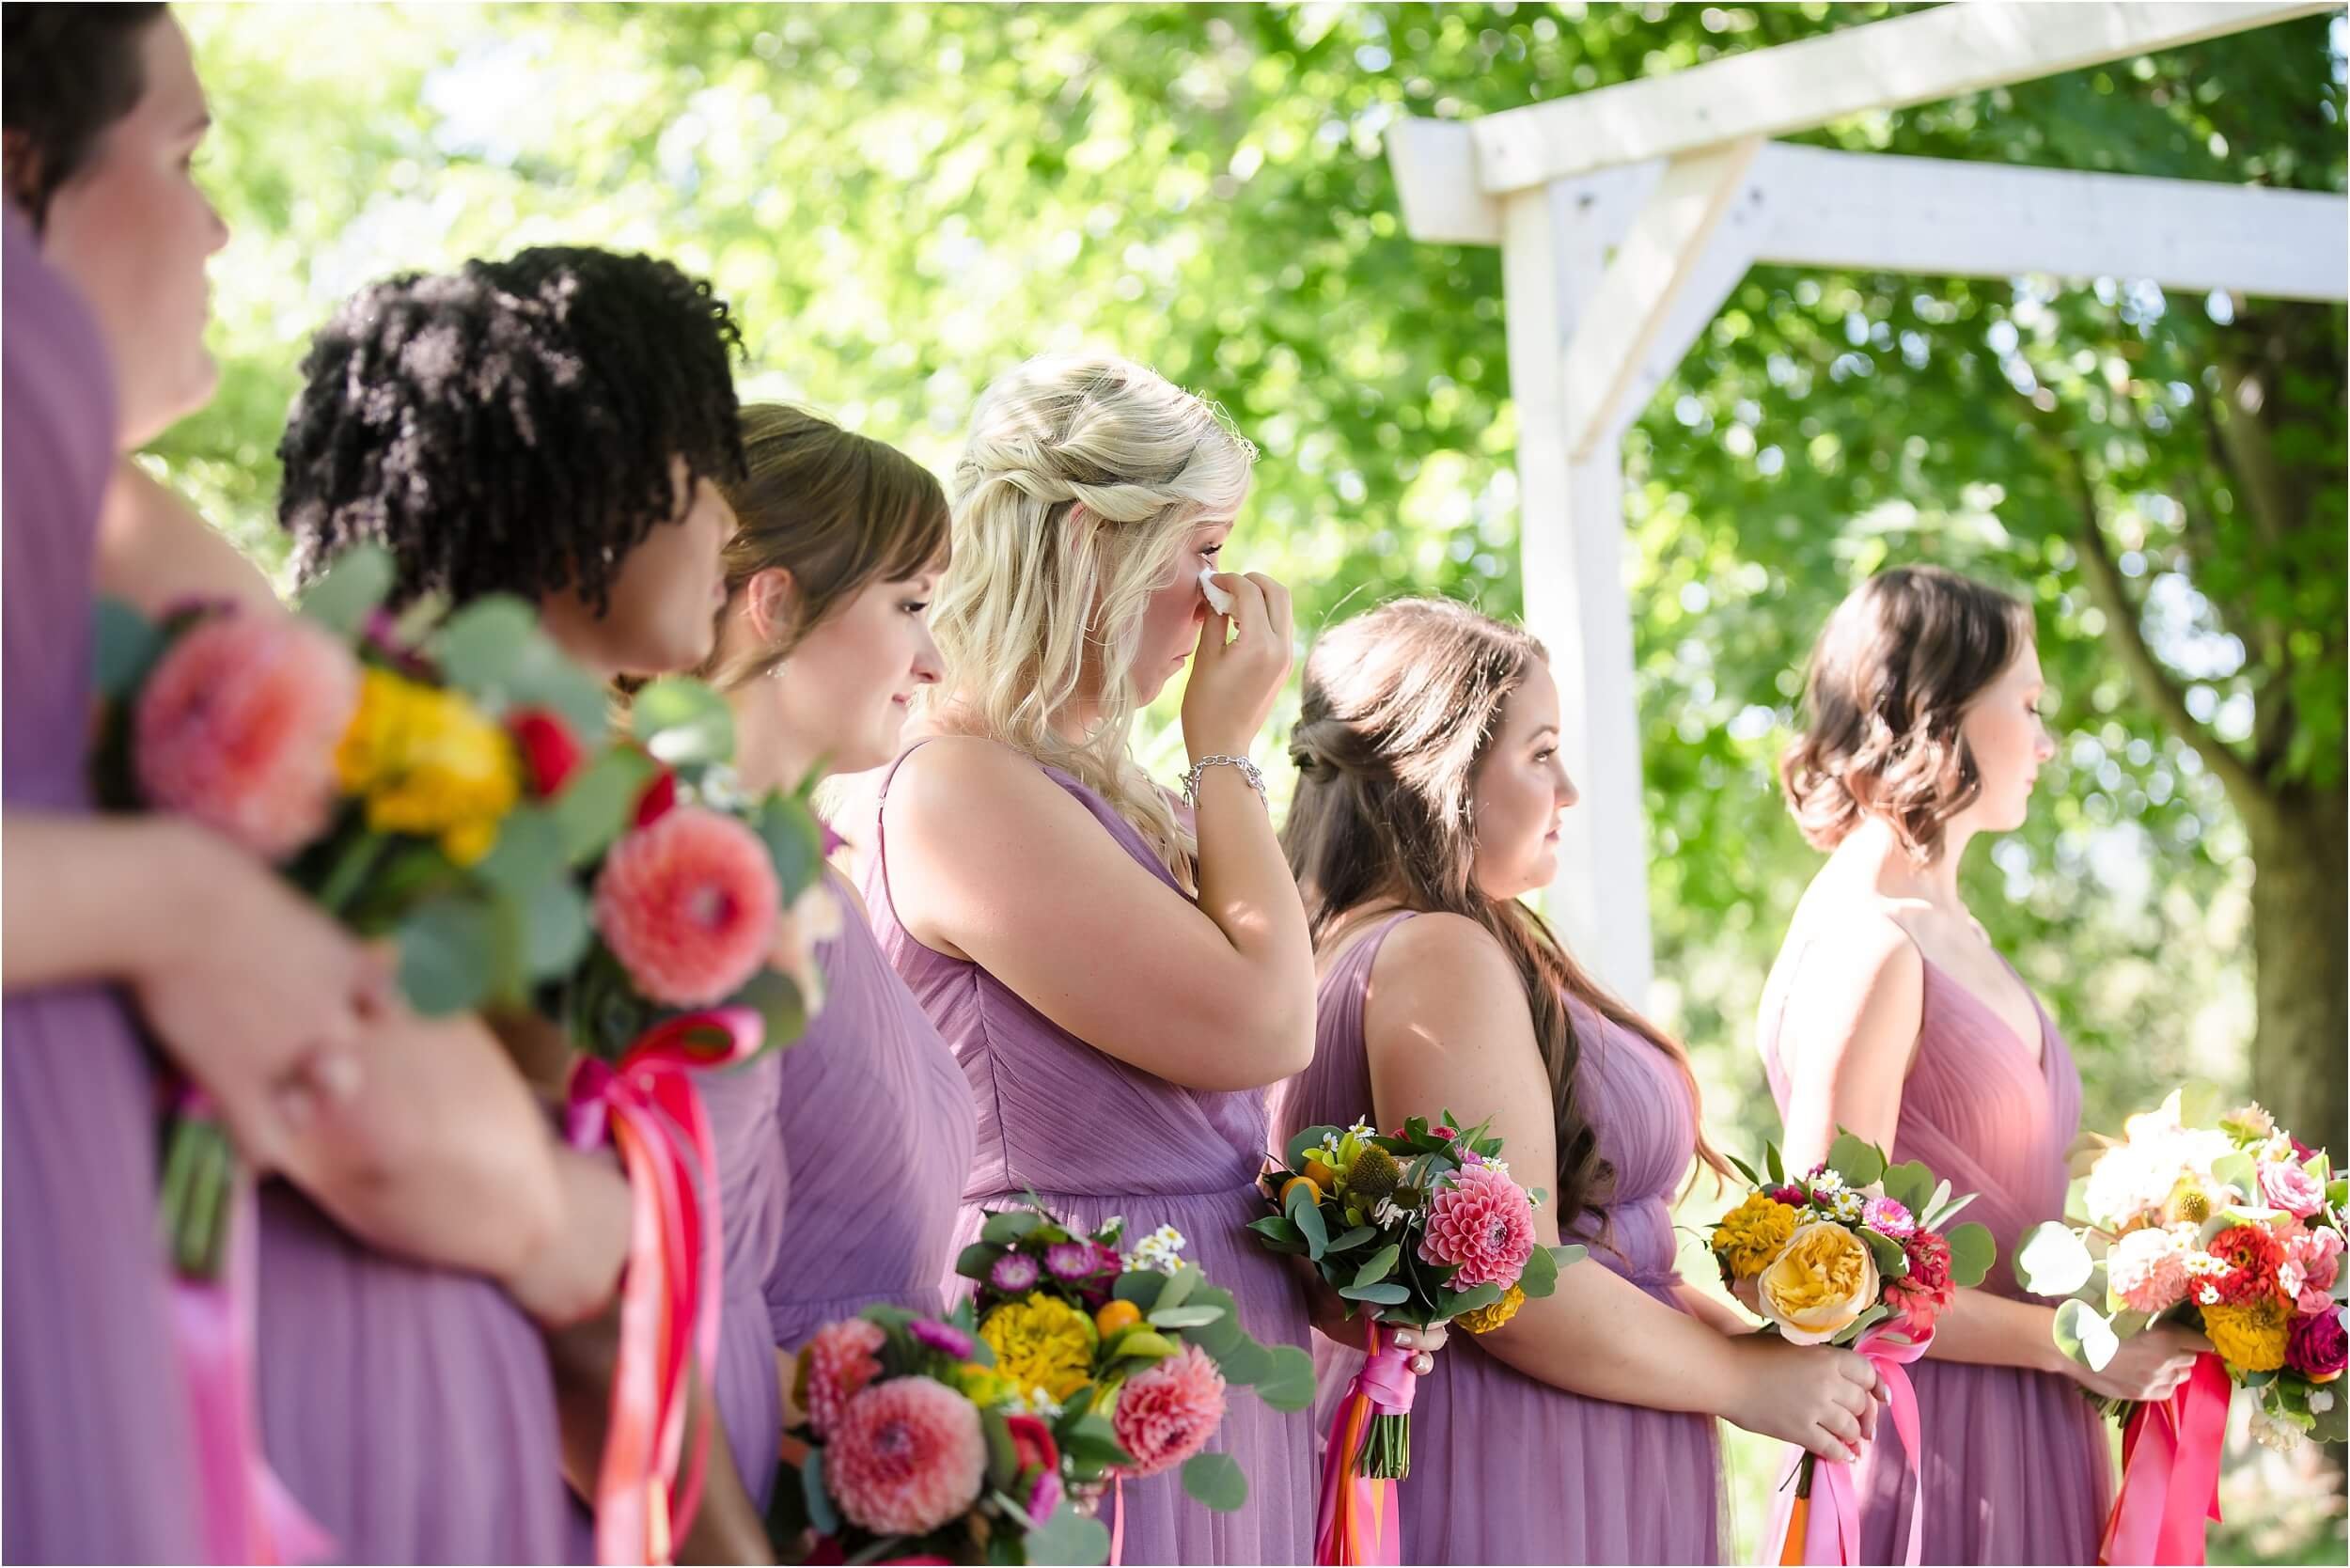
901 201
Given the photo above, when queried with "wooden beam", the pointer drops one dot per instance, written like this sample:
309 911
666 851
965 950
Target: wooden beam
1571 545
1920 59
1661 252
1872 211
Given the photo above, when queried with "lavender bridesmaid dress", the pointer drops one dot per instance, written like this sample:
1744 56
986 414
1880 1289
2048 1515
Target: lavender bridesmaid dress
97 1444
2017 1465
869 1125
1094 1137
1505 1468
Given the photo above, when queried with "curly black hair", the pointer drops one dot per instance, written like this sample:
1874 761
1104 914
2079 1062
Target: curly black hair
509 427
67 73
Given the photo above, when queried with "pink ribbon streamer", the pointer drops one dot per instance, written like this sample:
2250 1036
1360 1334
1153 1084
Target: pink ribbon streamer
1832 1523
2170 1472
1359 1521
249 1516
647 1487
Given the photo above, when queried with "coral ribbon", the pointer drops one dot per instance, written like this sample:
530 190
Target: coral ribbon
1359 1521
669 1301
249 1516
1827 1522
2170 1472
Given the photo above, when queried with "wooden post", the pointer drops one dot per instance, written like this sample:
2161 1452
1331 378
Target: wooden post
1555 249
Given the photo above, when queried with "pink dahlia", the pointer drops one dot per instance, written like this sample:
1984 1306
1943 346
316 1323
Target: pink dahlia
1168 1412
2147 1269
689 906
2316 1348
1924 1294
1481 1222
1889 1217
836 1364
906 1457
2287 1186
237 728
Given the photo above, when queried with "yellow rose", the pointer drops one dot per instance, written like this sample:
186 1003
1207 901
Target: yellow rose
1823 1279
427 762
2250 1337
1750 1235
1484 1320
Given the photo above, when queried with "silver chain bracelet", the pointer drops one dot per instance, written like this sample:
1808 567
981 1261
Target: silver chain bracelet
1248 770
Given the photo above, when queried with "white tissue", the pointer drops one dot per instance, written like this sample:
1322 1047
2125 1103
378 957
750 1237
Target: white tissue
1218 601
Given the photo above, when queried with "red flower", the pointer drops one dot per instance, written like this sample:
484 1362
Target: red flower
1032 1441
2253 1255
547 747
657 798
1924 1294
2317 1349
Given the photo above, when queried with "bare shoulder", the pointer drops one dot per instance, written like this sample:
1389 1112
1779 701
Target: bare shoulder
1442 948
961 779
1855 973
1447 976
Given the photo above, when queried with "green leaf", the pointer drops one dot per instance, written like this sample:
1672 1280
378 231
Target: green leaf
128 645
445 962
1541 1274
1911 1186
1346 1241
1972 1253
1380 1295
2050 1260
1247 1362
1003 1454
974 1261
1141 1286
1183 1317
782 1010
1307 1216
1288 1383
794 841
2239 1171
1453 1304
821 1514
1218 1338
1070 1538
1214 1480
682 722
1855 1159
1852 1331
556 932
353 589
2083 1334
1378 1265
599 802
1179 1287
1008 1227
1744 1169
1771 1163
1892 1262
1303 1143
1277 1229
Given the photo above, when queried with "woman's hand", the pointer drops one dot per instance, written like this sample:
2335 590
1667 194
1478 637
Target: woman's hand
1823 1399
1329 1313
2148 1366
1234 683
257 995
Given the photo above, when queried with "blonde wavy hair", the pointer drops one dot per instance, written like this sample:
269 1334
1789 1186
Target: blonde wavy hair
1083 478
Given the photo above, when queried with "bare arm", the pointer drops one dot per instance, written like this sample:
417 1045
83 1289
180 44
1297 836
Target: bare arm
1446 1026
153 550
990 859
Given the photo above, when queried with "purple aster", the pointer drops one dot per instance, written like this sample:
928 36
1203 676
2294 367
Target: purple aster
1071 1259
1889 1217
941 1338
1013 1272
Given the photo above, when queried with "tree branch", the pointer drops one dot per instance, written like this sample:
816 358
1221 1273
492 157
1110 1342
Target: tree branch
2155 682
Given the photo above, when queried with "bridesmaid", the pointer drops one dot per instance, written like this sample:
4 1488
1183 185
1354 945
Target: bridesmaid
1891 1014
1119 993
285 1019
839 547
549 426
1428 805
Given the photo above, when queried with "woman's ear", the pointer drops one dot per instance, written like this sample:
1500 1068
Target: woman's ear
769 598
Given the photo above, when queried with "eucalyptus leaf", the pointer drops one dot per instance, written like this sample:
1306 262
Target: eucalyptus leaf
352 588
1380 1295
1378 1265
1215 1481
1069 1539
1972 1253
1288 1383
1855 1159
2051 1261
2083 1334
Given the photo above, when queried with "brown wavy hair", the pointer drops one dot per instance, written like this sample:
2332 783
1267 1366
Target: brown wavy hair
1400 706
836 510
1889 679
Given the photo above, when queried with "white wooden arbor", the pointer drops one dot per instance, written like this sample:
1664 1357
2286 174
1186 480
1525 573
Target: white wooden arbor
1628 213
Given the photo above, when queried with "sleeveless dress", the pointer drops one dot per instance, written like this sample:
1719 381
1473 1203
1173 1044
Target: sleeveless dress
99 1457
868 1123
1506 1468
1094 1137
2016 1465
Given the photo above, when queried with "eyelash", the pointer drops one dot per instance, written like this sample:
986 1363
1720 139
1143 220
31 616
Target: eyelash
914 606
1212 552
1544 754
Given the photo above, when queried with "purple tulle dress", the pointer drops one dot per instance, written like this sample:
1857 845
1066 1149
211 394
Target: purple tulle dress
1094 1137
2017 1465
1505 1468
867 1125
98 1458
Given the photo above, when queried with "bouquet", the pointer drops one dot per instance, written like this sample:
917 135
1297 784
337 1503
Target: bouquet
1857 1252
2225 1222
918 1452
1128 1354
1424 1226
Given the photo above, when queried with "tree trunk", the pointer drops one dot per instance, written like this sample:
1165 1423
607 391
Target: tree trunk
2301 958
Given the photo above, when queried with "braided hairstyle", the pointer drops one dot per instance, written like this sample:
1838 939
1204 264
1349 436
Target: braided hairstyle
1400 706
1082 481
510 426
